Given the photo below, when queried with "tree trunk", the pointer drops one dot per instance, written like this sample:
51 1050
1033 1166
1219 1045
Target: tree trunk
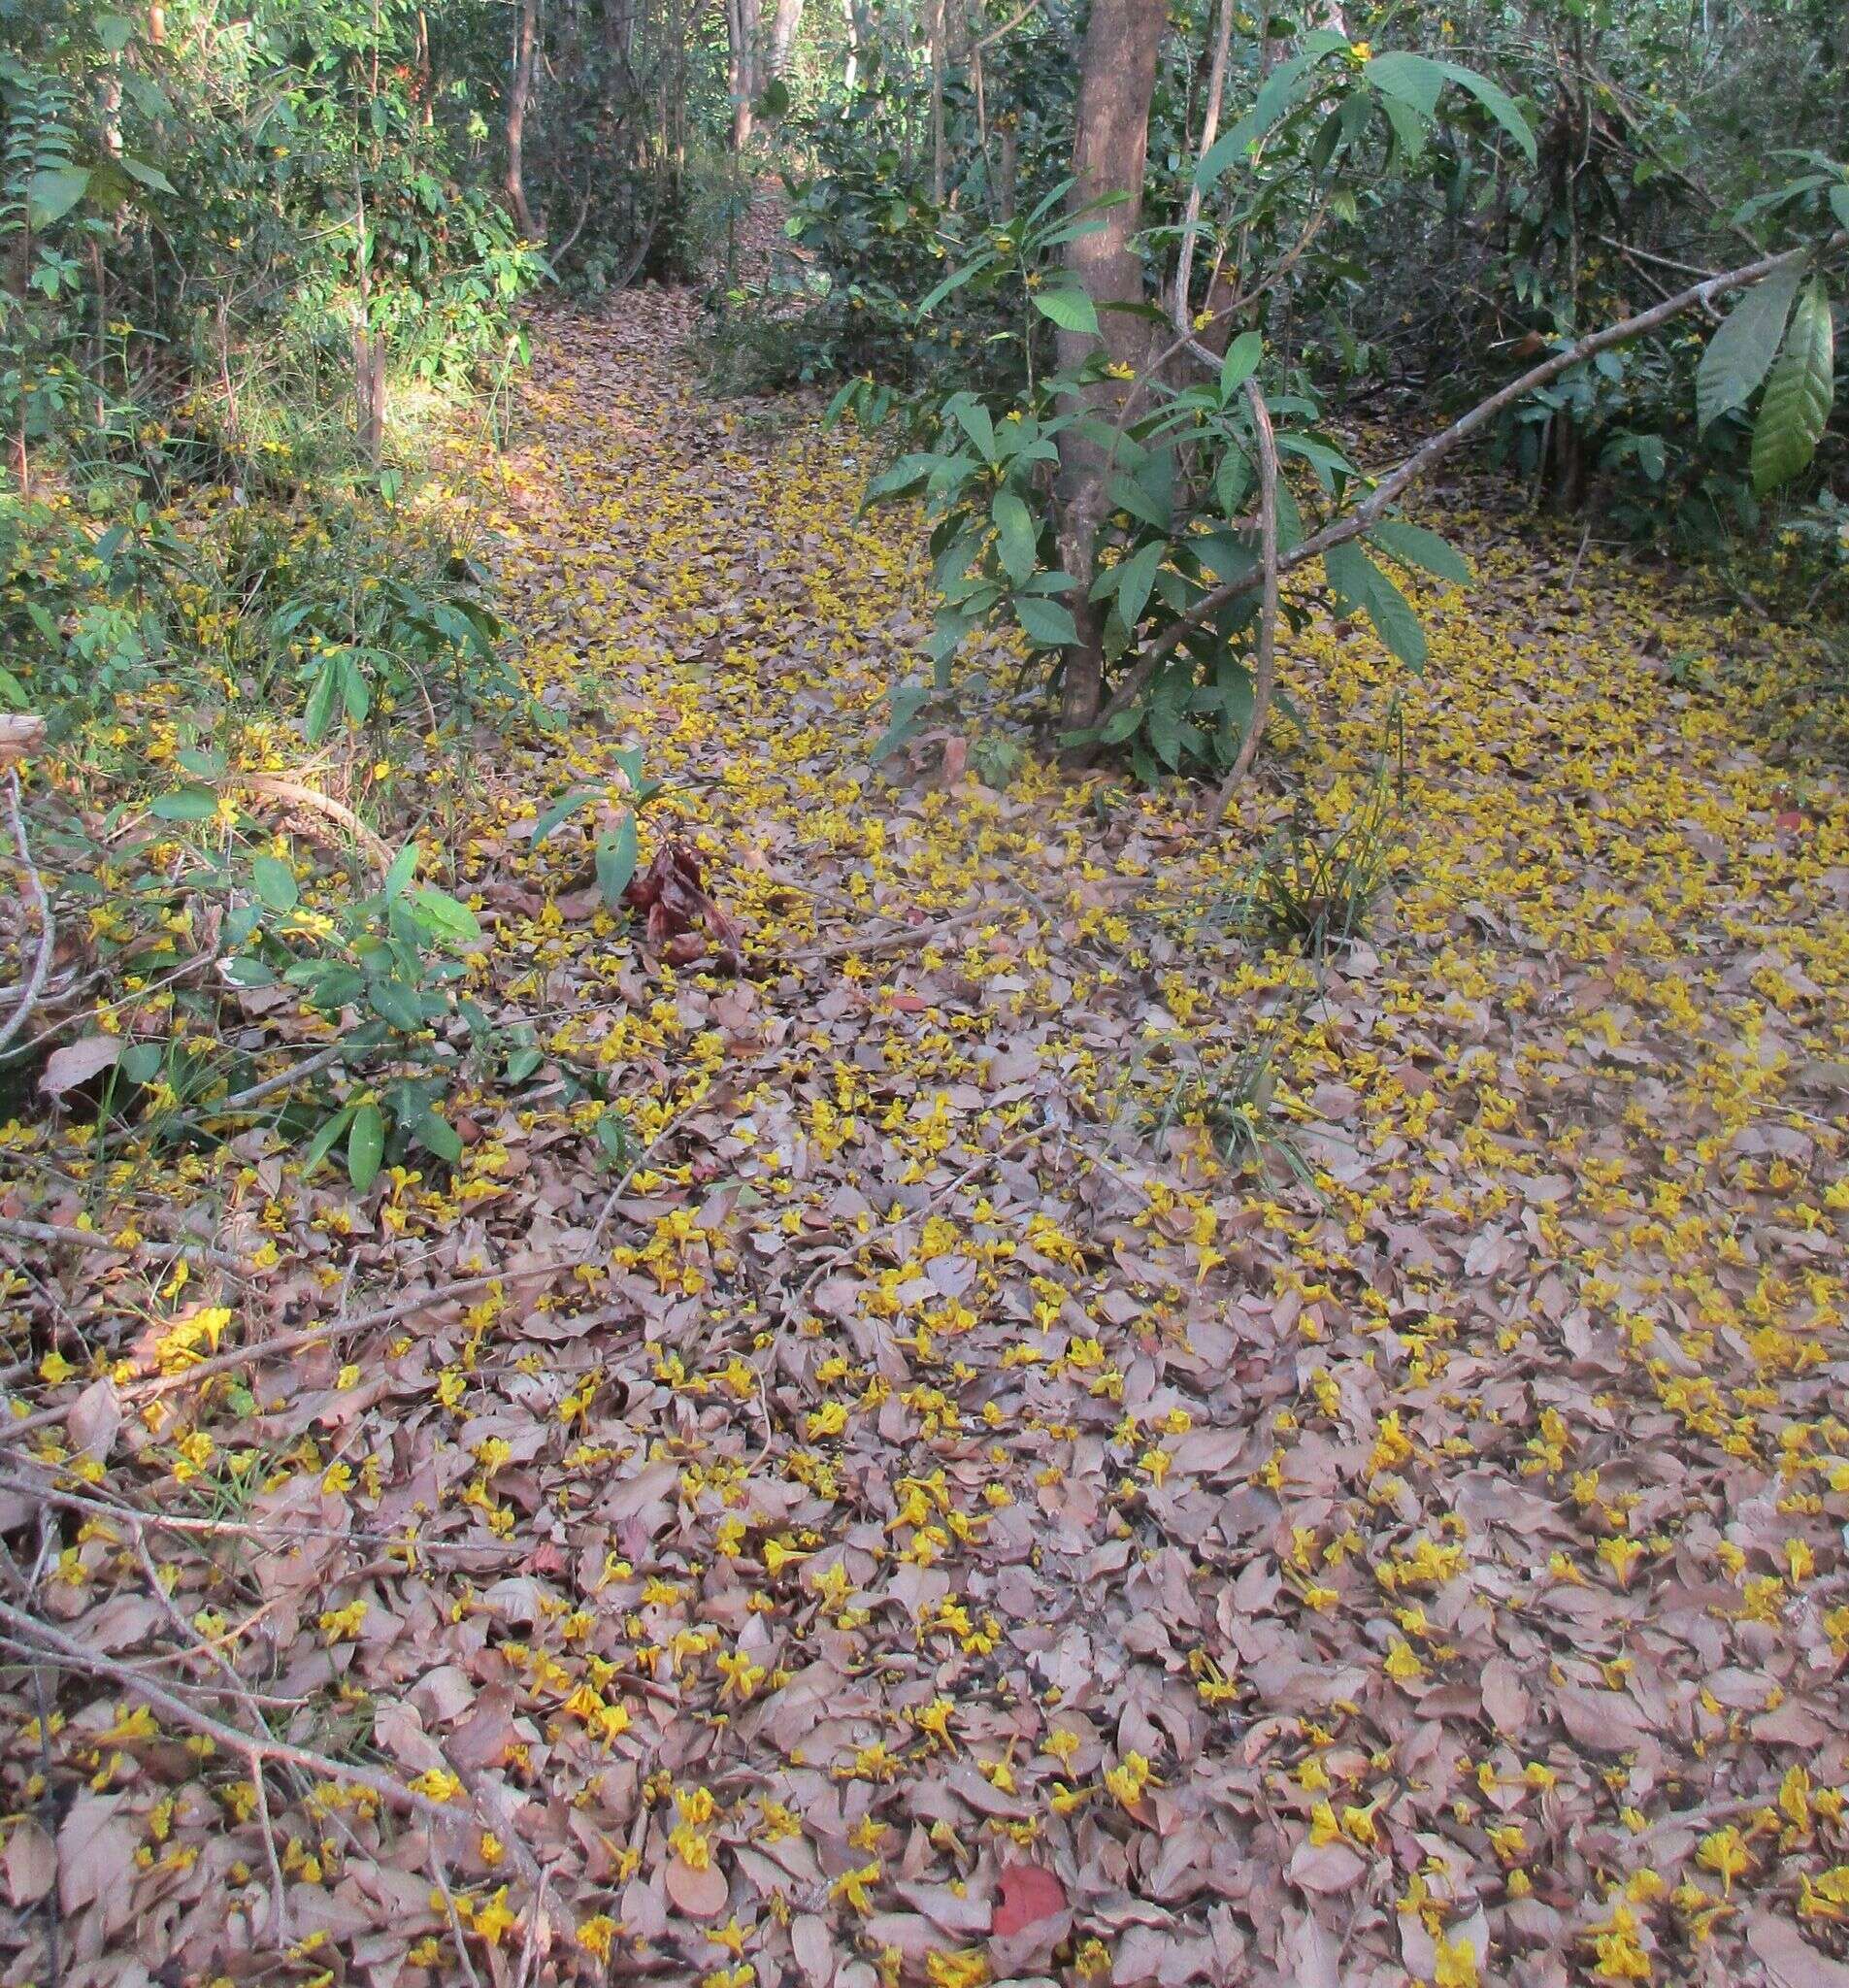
785 21
526 31
1116 82
851 72
741 28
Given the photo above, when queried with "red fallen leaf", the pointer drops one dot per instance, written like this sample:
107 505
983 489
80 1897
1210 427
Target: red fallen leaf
909 1004
545 1558
1790 817
1028 1892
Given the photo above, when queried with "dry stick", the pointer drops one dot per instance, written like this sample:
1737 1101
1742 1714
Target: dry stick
294 1341
283 1532
1364 516
881 941
279 1891
313 1066
1265 678
40 1641
47 926
313 798
61 1235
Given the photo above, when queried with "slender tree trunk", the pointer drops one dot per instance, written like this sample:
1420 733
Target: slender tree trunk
741 27
934 38
526 32
1209 130
1116 83
851 72
786 19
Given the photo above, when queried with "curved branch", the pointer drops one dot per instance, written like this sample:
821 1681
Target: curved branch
47 926
1387 492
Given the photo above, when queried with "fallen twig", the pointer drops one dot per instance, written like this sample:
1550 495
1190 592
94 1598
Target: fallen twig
34 981
293 1342
60 1235
279 790
42 1642
884 941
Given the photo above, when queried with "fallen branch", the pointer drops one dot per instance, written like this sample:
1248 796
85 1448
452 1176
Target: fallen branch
20 732
311 798
1265 675
293 1342
884 941
34 983
39 1642
59 1235
1388 491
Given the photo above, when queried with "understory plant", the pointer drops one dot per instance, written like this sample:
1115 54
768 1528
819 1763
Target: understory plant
1133 508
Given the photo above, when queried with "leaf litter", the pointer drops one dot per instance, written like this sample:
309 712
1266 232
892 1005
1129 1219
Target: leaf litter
898 1493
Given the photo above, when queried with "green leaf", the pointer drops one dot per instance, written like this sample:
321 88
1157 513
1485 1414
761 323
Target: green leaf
1019 543
444 918
974 418
1137 575
53 192
1048 623
148 176
404 867
558 812
1413 545
436 1133
114 32
394 1002
1281 90
185 803
322 1143
1239 364
1797 406
1840 204
954 281
1501 107
1740 353
1415 80
616 856
1068 308
1359 583
365 1147
275 883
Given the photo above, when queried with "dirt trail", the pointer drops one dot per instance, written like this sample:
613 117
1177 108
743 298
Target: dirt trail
969 1527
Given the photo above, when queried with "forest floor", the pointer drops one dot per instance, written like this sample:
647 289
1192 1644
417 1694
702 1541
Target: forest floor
1085 1443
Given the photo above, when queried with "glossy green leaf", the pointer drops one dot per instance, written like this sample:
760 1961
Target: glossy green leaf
1048 624
1016 539
185 803
53 192
1412 544
275 885
1796 409
445 917
616 856
1742 351
1068 306
365 1147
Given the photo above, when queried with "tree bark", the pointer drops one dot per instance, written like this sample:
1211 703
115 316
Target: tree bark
850 71
1117 80
786 19
526 32
741 28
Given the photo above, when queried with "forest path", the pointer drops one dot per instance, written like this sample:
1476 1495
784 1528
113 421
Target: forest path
927 1513
1023 1482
